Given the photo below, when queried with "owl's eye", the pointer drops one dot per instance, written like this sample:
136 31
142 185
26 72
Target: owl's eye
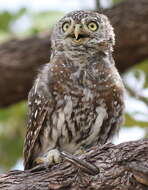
66 26
93 26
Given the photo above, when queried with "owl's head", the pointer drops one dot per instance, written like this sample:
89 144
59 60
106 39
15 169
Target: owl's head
81 30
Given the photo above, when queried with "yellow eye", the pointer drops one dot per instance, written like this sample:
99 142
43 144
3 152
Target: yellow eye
93 26
65 26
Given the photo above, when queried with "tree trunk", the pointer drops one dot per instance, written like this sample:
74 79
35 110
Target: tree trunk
110 167
21 59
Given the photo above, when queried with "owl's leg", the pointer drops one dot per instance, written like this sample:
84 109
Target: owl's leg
50 158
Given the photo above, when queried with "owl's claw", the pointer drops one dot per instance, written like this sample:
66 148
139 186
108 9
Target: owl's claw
51 157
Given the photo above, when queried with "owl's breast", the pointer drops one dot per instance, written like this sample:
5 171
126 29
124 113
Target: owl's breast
86 105
88 83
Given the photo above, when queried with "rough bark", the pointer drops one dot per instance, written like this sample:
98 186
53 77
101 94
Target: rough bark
129 19
19 63
20 59
119 167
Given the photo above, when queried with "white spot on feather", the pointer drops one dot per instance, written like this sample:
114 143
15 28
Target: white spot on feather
31 133
35 132
115 102
37 101
29 103
35 114
36 85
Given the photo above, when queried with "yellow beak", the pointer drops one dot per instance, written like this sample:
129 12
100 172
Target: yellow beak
77 30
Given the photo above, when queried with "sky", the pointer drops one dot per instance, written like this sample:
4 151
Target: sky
38 5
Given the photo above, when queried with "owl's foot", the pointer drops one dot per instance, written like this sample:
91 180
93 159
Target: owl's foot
50 158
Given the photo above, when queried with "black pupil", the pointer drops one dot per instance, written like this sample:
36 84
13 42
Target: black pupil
92 25
67 26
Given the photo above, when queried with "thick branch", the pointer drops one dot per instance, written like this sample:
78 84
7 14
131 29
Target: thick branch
20 59
19 63
124 166
129 19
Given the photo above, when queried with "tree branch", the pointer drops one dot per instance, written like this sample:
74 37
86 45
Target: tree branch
123 166
129 19
20 59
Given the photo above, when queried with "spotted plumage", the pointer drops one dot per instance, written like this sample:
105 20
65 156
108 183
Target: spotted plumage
77 99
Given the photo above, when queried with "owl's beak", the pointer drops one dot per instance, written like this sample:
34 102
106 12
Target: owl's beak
77 34
77 30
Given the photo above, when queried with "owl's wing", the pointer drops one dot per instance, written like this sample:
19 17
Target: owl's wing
41 102
38 108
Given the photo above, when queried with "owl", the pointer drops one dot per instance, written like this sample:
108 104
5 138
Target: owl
76 101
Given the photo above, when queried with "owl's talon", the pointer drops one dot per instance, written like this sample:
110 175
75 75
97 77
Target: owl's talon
51 157
40 160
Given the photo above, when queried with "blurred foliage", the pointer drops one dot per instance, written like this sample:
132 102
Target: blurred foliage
27 23
136 83
6 18
6 21
130 121
118 1
13 119
44 21
12 125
